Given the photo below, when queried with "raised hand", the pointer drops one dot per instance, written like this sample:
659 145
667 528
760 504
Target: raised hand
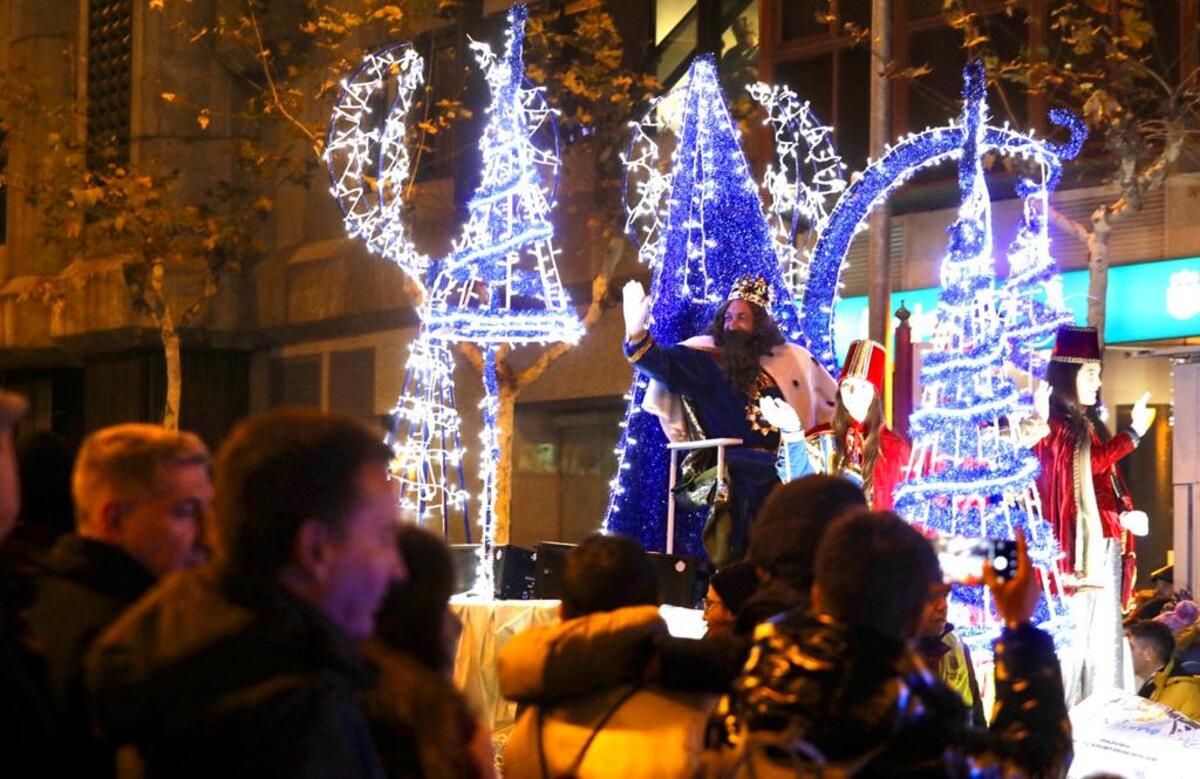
1142 415
1041 400
637 310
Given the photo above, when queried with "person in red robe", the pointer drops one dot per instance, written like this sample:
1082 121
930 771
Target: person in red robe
1086 501
857 444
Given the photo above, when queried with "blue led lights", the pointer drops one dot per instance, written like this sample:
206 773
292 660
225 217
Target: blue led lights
969 475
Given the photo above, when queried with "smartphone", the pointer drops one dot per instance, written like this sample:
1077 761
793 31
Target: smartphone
962 559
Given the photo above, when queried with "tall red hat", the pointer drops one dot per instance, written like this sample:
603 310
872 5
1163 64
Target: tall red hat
1077 344
866 359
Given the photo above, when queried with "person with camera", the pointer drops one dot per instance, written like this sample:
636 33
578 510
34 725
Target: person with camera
842 686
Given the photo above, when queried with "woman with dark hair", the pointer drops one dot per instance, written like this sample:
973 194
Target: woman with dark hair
421 723
857 444
1086 501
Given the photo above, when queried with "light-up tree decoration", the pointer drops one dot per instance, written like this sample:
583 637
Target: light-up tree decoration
969 474
500 284
714 231
426 439
1033 303
799 184
880 180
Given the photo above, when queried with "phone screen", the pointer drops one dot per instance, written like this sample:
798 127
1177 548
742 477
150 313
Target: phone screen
963 559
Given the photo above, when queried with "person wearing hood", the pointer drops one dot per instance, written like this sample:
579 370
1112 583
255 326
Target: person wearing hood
249 666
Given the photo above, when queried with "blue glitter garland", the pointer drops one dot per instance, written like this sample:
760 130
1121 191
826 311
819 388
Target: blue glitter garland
877 183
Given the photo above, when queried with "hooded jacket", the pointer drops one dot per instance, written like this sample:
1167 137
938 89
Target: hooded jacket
586 672
211 675
864 701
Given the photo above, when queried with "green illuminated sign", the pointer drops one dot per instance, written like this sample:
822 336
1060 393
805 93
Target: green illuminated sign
1145 302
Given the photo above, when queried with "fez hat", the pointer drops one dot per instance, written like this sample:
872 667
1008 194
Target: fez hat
1078 345
866 359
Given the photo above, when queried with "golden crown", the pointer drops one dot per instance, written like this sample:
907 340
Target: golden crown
752 289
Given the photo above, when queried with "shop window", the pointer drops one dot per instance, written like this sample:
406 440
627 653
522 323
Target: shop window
805 19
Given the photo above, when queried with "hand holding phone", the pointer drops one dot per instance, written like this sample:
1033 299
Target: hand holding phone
964 560
1016 597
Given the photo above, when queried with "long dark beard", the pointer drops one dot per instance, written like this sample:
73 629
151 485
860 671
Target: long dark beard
739 360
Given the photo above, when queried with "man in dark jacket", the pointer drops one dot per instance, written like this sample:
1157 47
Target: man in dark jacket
30 737
142 494
248 666
842 684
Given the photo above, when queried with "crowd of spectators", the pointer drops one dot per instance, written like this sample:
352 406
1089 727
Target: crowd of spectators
262 612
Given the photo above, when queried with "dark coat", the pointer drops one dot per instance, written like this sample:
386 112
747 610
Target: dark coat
422 725
713 663
82 587
860 697
209 675
31 740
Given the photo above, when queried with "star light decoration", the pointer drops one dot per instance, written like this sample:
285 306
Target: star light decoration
713 231
882 177
969 475
426 438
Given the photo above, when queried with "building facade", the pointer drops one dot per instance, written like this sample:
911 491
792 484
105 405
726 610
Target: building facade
318 321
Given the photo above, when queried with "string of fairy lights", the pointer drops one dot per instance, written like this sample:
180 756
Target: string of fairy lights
806 176
969 475
499 286
367 156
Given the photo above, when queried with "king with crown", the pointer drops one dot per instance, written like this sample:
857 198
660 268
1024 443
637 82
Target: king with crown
711 385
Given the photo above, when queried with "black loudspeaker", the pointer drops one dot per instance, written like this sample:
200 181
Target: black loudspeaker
681 580
512 567
550 561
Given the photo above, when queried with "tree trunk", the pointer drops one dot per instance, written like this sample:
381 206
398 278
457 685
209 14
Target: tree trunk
1098 270
170 341
505 419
